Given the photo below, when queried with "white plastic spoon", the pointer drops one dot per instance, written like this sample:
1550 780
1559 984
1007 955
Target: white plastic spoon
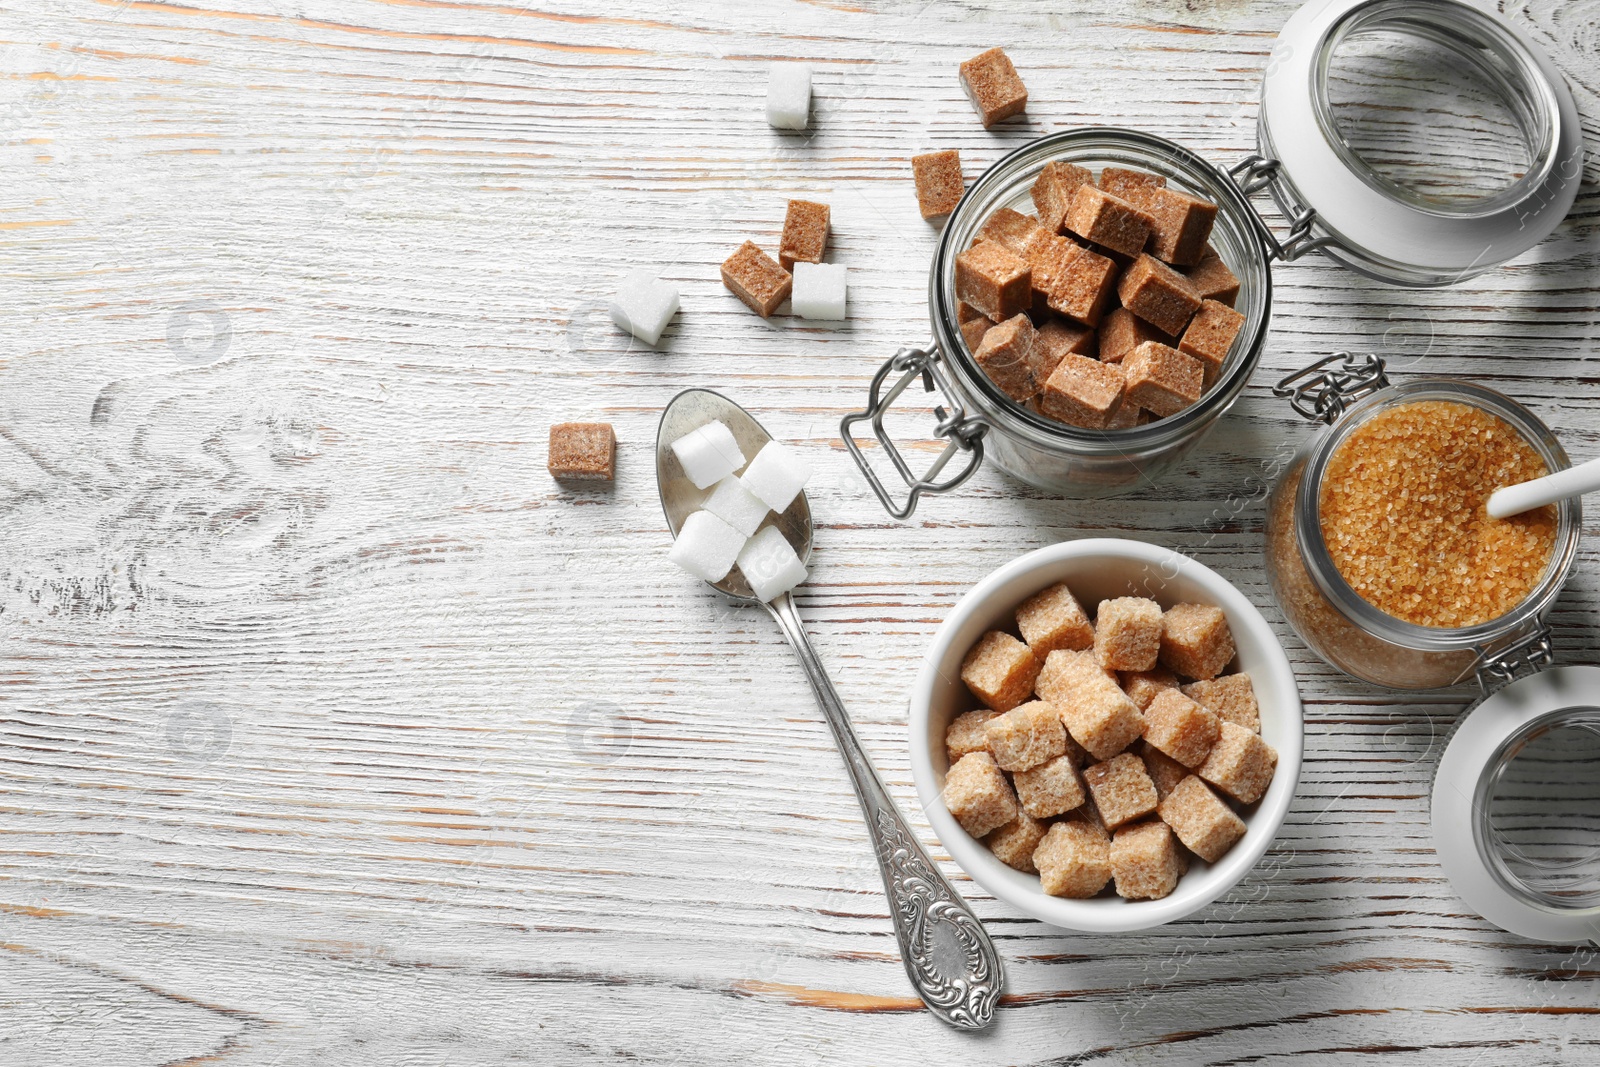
1525 496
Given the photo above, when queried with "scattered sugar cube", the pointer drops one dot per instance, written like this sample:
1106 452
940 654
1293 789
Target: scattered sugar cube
1026 736
756 279
966 734
1205 825
1181 728
1054 619
1195 640
819 291
1013 843
1143 686
938 180
805 233
1051 788
1145 861
735 505
1231 699
1000 670
644 304
991 83
708 454
1127 633
769 563
706 546
1164 771
1073 860
1240 764
776 476
978 795
1064 671
1121 788
582 451
789 96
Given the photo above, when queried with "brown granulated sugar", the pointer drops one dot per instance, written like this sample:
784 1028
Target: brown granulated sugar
1403 514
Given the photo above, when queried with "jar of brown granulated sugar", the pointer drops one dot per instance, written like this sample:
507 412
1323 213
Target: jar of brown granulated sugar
1379 546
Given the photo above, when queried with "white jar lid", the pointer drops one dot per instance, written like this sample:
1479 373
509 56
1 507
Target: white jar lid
1465 795
1377 227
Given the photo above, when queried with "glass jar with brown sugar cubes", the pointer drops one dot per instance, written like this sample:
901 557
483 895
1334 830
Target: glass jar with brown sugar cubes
1379 545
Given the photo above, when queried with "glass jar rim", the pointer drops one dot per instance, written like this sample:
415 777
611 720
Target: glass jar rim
1319 562
999 182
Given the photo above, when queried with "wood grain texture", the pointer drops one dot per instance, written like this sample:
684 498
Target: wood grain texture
334 732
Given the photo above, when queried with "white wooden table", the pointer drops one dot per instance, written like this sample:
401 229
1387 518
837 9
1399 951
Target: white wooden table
334 732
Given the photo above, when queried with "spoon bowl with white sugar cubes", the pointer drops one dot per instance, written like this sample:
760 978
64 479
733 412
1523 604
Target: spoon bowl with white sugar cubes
736 504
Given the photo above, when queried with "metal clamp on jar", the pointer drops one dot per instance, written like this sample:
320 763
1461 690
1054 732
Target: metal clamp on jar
1516 799
1334 200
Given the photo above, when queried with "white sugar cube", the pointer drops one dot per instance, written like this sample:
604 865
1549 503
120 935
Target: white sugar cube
706 546
818 291
789 96
644 304
735 505
708 454
770 565
776 476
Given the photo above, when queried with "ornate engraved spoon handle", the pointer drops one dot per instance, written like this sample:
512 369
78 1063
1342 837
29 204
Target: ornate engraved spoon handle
948 955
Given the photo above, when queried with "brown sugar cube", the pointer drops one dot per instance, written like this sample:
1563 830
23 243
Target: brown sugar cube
1145 861
939 183
965 312
1083 286
1212 280
1142 686
973 332
1209 337
1127 417
1101 718
1127 633
1164 771
582 451
1096 215
1051 788
991 83
994 280
1162 379
966 734
1206 826
978 795
1180 223
1013 843
1050 258
1000 670
1053 190
1158 294
1073 860
1240 764
1057 339
1054 619
1121 789
1027 735
1120 181
1083 392
1006 356
1231 698
805 234
1121 331
1195 640
1064 671
1019 233
754 277
1182 729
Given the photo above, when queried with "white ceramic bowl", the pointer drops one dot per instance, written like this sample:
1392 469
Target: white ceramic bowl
1097 569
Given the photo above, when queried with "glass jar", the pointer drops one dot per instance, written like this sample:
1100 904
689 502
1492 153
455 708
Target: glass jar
1345 392
1337 196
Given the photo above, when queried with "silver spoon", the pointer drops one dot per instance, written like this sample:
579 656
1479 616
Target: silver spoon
948 955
